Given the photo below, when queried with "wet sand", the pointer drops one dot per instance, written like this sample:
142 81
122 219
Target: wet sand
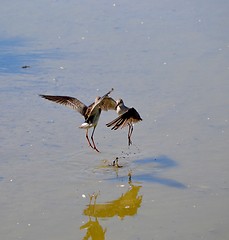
167 59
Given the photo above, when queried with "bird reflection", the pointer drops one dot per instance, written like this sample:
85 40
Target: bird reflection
94 230
126 205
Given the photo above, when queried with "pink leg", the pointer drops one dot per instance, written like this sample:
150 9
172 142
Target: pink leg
89 143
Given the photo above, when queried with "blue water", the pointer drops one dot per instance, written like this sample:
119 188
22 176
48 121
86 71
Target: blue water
167 59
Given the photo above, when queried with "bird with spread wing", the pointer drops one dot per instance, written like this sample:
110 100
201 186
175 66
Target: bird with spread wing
127 117
90 113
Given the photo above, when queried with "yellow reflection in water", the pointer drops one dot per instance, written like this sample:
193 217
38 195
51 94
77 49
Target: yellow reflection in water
94 230
126 205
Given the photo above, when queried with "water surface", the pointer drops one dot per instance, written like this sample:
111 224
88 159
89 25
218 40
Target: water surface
167 59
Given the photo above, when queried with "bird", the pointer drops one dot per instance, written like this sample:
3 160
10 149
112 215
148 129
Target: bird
90 113
127 117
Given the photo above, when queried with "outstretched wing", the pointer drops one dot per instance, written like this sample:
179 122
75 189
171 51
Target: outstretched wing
129 117
105 103
69 102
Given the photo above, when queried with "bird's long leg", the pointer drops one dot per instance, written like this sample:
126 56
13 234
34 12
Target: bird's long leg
130 130
129 140
92 139
89 143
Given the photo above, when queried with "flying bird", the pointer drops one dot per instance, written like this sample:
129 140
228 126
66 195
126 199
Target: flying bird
127 117
90 113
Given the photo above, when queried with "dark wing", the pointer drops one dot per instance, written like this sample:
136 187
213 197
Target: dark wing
129 117
69 102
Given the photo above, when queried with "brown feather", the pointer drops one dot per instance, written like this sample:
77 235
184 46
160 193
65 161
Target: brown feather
71 102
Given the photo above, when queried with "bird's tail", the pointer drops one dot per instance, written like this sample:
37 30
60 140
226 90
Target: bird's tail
85 125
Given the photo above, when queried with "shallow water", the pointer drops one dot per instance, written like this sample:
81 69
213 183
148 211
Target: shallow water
167 59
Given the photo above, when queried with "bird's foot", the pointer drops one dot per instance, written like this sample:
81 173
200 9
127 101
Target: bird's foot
96 149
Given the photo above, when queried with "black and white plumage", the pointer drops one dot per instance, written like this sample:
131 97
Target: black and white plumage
127 117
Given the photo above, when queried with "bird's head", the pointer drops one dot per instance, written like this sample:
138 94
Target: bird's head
119 102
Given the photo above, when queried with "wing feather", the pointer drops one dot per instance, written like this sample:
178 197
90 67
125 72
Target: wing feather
71 102
105 103
129 117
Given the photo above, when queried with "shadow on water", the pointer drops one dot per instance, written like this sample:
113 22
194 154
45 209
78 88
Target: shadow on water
161 161
154 168
125 205
154 179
